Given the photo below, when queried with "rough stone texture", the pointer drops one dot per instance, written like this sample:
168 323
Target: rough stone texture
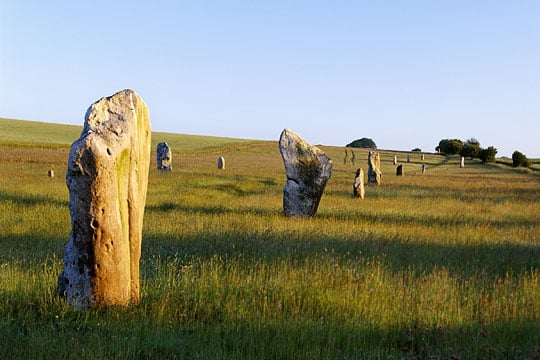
164 157
308 170
107 178
399 170
358 186
50 173
221 163
462 163
374 168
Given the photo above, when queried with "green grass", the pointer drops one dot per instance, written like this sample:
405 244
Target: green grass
439 265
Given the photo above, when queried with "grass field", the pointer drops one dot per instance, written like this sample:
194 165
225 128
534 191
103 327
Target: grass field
441 265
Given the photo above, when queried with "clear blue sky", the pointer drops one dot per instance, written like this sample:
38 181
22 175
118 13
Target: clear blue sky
404 73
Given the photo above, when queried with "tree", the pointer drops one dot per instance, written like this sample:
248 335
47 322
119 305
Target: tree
471 148
487 155
450 146
363 143
519 159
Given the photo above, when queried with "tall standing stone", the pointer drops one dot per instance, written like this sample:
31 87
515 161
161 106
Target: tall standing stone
399 170
423 168
462 162
374 168
395 160
358 186
107 178
308 170
164 157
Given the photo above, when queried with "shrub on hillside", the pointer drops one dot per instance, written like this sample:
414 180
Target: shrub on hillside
519 159
363 143
471 148
487 155
450 146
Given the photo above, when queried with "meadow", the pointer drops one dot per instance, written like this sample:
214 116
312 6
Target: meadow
440 265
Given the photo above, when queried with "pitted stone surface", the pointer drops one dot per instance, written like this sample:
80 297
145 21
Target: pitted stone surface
107 178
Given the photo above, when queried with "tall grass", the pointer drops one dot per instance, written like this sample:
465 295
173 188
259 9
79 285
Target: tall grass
440 265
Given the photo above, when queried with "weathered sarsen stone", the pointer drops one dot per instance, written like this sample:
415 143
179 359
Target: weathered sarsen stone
308 170
107 178
164 157
374 168
358 186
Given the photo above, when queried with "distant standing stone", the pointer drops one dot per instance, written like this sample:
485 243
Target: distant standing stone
164 157
50 173
358 186
374 168
462 163
395 160
308 170
107 178
399 170
221 163
423 168
408 158
422 157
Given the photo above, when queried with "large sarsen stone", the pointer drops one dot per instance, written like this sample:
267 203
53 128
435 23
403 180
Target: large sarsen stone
308 169
107 178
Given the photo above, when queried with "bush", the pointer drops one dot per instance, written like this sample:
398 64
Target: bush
450 146
363 143
417 150
471 148
519 159
487 155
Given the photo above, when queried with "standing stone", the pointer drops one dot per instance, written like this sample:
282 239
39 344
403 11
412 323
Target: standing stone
308 170
423 168
164 157
408 158
399 170
358 186
107 178
395 160
423 157
221 163
50 173
462 163
374 168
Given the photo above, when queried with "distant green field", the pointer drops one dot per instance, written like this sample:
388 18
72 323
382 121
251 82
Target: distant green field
441 265
33 133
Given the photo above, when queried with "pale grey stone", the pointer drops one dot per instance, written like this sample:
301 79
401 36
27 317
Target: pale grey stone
308 170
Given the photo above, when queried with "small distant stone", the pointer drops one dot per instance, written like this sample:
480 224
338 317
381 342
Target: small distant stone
399 170
221 163
358 186
374 168
50 173
164 157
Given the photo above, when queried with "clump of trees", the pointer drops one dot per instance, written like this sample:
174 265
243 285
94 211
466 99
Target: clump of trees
470 148
450 146
365 143
519 159
488 154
